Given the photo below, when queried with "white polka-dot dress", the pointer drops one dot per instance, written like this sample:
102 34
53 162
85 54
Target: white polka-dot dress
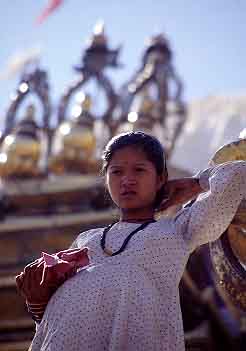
130 301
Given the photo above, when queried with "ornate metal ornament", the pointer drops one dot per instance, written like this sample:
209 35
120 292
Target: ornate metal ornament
158 107
228 253
32 82
24 145
74 147
96 57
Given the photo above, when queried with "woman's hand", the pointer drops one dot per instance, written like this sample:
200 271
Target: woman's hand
180 191
41 278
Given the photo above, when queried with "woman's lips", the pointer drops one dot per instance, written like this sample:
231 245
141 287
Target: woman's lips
128 193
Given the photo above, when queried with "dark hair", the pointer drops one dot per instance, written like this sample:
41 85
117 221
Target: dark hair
150 145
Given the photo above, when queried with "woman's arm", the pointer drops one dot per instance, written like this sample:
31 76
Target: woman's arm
209 216
180 191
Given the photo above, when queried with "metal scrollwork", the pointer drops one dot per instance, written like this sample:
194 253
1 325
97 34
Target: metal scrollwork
34 82
95 59
156 74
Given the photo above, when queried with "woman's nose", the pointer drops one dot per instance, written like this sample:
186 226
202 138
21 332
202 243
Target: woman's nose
128 180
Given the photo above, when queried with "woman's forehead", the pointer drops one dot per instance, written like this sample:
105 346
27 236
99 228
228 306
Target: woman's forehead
129 154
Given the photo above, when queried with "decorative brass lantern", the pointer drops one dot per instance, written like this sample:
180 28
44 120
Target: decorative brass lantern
163 113
25 144
229 252
96 57
21 150
74 143
78 141
143 116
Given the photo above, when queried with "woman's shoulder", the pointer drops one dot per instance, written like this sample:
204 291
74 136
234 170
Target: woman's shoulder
165 224
84 237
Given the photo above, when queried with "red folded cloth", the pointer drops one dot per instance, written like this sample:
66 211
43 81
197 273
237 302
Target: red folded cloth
41 278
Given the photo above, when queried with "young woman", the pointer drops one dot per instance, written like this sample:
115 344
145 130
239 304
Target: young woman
127 297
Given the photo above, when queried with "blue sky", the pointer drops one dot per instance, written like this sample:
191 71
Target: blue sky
207 37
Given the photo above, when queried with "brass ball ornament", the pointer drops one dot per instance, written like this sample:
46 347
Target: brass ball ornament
228 253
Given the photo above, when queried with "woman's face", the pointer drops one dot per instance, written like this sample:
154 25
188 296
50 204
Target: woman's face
132 180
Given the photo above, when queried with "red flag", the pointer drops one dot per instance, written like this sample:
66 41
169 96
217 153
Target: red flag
51 7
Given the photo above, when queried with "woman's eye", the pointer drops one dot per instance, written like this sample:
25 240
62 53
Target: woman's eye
139 170
116 172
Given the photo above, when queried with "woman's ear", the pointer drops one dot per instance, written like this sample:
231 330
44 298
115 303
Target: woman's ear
163 178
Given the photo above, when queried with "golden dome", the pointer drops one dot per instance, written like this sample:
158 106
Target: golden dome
74 142
98 38
80 137
21 150
144 114
19 156
21 146
86 102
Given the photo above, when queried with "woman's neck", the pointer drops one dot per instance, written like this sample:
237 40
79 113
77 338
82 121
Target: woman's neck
136 216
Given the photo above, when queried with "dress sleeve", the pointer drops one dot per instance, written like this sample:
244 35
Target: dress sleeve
209 216
80 240
83 238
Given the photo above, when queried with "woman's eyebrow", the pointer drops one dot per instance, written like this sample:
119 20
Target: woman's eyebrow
116 165
142 163
137 164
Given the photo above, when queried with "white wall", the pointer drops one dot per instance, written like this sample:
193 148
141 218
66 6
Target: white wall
211 123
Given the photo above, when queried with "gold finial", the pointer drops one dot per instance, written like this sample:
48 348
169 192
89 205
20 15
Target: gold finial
98 38
145 106
157 40
142 115
159 45
85 101
74 142
30 112
99 28
147 103
82 106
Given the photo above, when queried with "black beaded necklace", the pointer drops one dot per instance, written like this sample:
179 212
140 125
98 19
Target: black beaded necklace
126 241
